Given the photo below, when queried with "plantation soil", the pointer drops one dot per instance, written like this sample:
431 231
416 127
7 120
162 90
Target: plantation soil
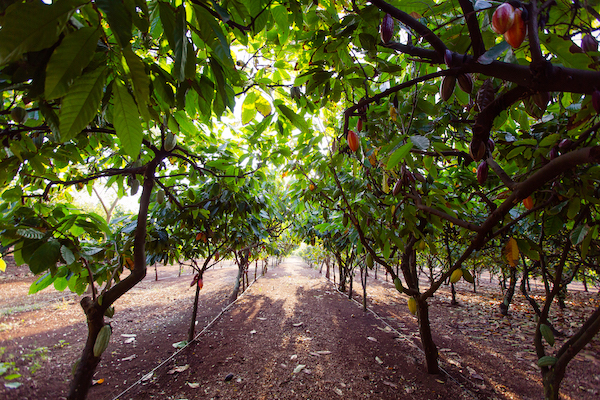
291 335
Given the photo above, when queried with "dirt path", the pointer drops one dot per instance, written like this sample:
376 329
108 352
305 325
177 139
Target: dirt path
293 336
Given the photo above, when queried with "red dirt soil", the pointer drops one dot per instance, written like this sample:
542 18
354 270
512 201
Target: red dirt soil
291 335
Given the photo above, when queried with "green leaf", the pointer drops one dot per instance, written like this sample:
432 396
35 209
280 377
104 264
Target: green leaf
579 233
127 120
67 255
45 257
180 50
119 19
33 26
550 140
421 142
248 108
141 82
492 54
41 283
80 104
69 59
294 118
399 155
61 284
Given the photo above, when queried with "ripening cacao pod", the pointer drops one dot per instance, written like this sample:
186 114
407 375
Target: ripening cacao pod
311 187
18 115
359 125
503 18
397 187
553 153
456 275
353 142
412 305
589 43
170 141
465 83
491 145
160 196
447 88
596 100
482 172
102 340
387 28
516 33
528 202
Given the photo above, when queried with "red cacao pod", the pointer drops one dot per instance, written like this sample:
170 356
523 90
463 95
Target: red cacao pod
482 172
503 18
359 125
387 28
477 149
491 145
565 144
589 43
516 34
465 83
447 88
553 153
353 142
397 187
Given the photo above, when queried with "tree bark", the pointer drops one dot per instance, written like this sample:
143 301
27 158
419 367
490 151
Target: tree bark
509 292
429 347
192 329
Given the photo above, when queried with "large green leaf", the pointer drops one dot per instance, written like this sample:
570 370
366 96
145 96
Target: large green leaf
127 120
45 257
119 19
69 59
294 118
399 155
80 104
141 82
33 26
248 108
181 44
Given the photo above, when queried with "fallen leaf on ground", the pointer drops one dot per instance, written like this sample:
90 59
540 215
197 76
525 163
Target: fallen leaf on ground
193 385
181 368
148 376
371 338
299 368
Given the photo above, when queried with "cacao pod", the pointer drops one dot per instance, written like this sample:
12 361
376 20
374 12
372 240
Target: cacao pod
547 361
311 187
102 340
412 305
477 149
19 115
200 283
553 153
397 187
387 28
447 88
385 185
565 144
448 58
541 99
465 83
393 113
596 100
160 196
516 33
456 275
547 334
491 145
398 285
370 261
503 18
345 220
589 43
353 142
170 141
135 185
482 172
359 125
528 202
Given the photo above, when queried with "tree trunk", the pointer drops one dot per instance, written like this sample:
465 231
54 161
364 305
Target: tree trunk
363 278
155 273
454 302
236 285
351 279
509 292
88 362
192 330
429 347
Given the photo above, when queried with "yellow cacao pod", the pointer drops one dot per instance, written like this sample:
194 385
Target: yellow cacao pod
456 275
412 305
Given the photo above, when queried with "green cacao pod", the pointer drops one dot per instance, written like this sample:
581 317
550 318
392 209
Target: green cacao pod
160 196
345 220
547 361
398 285
370 262
135 185
102 340
547 334
467 275
19 115
170 141
110 312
